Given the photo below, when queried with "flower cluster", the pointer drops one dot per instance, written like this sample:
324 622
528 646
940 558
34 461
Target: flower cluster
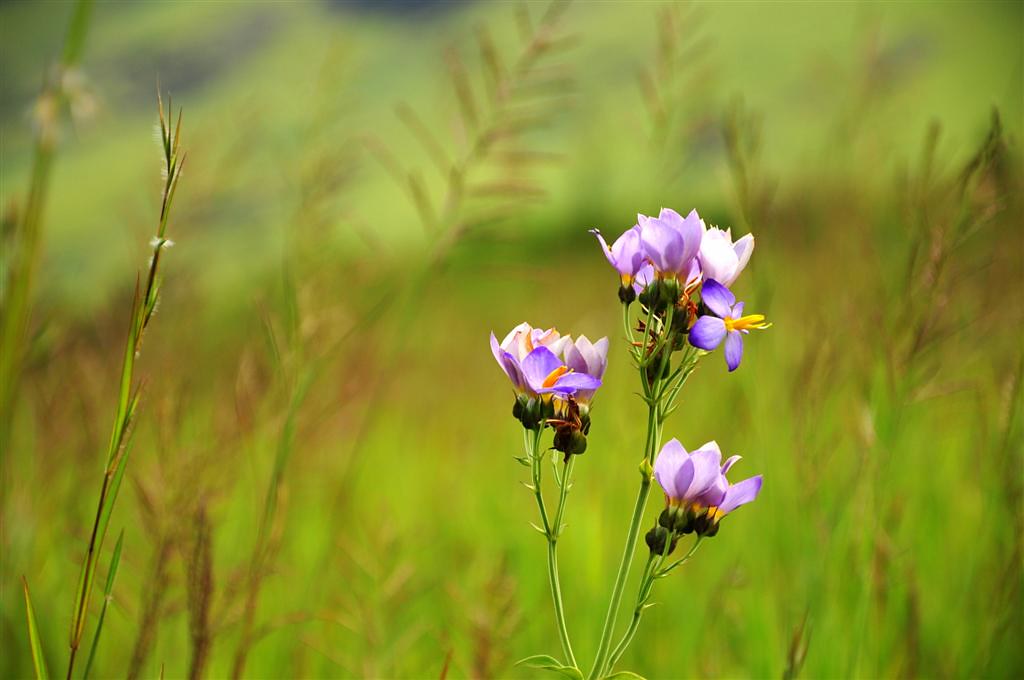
554 378
679 262
679 270
697 493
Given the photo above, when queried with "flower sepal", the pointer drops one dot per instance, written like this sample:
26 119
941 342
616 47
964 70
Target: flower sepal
627 294
530 411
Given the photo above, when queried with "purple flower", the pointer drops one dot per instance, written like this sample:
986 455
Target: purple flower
723 497
585 357
529 357
672 242
626 254
696 483
728 323
546 374
721 259
686 477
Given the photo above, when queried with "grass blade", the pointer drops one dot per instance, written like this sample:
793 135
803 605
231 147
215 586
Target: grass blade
38 660
107 590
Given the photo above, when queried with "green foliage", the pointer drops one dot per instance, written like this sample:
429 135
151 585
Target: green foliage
317 427
36 645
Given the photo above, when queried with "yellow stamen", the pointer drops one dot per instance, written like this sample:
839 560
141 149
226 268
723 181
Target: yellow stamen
554 375
746 323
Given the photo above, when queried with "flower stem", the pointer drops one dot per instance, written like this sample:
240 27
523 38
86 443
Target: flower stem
651 574
551 532
631 537
655 417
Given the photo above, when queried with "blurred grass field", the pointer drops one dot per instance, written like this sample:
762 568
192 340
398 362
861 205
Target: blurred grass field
883 407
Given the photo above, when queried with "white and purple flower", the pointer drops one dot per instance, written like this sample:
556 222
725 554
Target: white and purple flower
726 322
722 259
585 357
530 358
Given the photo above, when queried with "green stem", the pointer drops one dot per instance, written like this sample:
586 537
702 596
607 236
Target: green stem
631 538
646 582
551 533
651 574
654 420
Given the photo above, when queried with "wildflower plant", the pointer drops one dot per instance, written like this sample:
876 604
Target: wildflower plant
674 273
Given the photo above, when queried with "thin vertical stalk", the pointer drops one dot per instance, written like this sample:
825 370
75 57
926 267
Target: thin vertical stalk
551 533
652 572
631 538
143 308
16 290
655 415
285 447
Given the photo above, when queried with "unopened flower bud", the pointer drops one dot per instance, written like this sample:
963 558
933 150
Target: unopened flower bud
570 441
649 296
656 539
658 368
681 319
705 525
669 292
528 411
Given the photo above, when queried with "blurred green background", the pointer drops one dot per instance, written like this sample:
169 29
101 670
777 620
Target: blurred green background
371 188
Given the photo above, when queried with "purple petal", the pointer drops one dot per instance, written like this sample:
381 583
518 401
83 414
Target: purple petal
733 350
707 467
715 493
741 494
587 357
744 249
507 363
707 333
717 297
709 446
683 480
737 310
568 383
670 459
574 358
692 231
643 278
538 365
727 465
664 246
605 248
598 360
629 252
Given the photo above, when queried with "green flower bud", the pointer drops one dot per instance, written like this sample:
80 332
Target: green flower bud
656 539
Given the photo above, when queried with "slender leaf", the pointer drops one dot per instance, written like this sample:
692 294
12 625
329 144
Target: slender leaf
38 660
550 663
107 590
